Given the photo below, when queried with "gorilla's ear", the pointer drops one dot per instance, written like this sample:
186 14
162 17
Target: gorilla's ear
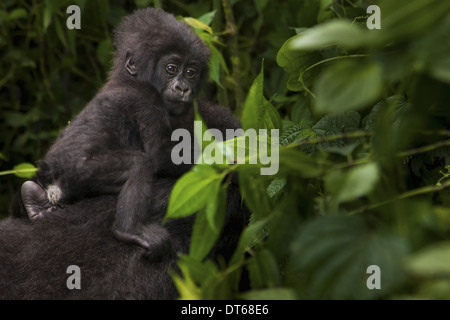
129 64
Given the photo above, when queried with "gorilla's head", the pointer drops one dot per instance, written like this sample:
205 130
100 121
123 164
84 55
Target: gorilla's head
154 47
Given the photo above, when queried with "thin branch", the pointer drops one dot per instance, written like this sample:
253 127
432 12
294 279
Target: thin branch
350 135
424 149
408 194
233 46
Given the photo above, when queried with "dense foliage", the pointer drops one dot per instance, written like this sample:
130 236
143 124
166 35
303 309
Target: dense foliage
363 120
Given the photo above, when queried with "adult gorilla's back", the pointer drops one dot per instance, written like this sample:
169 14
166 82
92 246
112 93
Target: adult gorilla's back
34 256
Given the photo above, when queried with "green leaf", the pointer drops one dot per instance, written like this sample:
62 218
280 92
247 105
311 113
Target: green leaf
336 32
295 63
253 190
296 133
198 24
193 191
297 163
348 85
24 170
203 237
259 113
275 187
19 13
337 123
353 183
185 284
263 270
207 17
433 261
403 19
249 237
333 254
216 208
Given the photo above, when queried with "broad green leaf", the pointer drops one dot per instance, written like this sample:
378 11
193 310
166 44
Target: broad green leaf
207 17
216 62
15 119
348 85
259 113
337 123
403 19
216 209
203 237
19 13
251 152
253 190
297 163
193 191
336 32
435 289
295 63
249 237
353 183
263 270
186 286
334 252
275 187
296 133
199 270
433 261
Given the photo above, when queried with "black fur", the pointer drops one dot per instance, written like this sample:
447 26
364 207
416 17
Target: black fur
34 255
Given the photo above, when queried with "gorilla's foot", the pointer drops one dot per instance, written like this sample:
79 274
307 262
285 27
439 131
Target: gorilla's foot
154 239
35 200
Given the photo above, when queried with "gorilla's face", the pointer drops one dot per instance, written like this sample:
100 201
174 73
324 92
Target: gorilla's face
181 78
178 81
176 77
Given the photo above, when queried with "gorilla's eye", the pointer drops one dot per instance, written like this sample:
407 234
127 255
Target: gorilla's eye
190 73
172 69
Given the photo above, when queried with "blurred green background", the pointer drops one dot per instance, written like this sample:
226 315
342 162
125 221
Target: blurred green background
364 120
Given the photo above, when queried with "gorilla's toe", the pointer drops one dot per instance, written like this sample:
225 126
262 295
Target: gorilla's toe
34 200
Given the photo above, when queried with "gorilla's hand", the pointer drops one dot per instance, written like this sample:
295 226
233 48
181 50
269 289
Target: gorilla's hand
35 200
153 238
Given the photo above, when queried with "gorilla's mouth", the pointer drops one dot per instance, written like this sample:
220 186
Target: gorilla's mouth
178 108
173 95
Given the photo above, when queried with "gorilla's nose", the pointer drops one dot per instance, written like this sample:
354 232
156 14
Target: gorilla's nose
182 90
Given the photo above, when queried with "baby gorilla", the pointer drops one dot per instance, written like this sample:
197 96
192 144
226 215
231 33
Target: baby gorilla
121 141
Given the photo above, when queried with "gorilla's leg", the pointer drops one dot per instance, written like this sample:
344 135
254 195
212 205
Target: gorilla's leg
134 203
36 200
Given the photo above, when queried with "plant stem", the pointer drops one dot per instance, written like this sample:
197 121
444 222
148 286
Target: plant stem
405 195
233 47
